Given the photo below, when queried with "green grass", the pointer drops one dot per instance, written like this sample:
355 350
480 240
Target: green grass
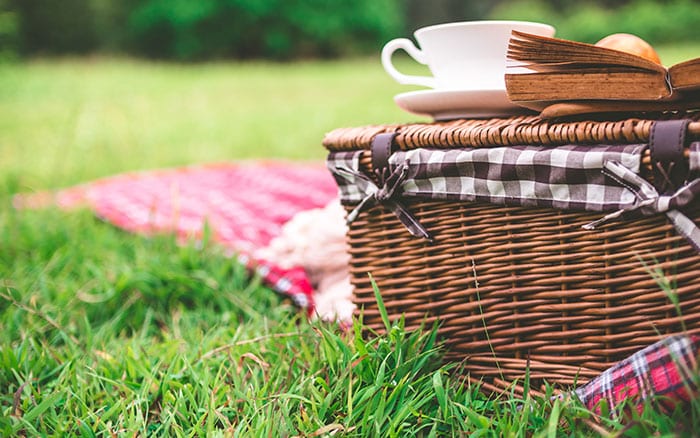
68 121
105 333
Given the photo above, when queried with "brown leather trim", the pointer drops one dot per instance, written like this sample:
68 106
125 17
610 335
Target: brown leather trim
667 143
381 150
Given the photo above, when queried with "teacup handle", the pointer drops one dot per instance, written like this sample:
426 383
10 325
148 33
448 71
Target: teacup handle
413 52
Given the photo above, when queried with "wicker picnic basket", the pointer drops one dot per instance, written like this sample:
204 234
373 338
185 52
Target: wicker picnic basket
521 288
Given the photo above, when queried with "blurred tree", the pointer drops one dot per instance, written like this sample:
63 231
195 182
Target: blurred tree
111 18
56 26
8 30
289 29
657 22
421 13
280 29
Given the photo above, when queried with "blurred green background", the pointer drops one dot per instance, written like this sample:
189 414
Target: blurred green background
191 30
89 88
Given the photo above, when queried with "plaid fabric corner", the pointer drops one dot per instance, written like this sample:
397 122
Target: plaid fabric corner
292 282
348 190
665 369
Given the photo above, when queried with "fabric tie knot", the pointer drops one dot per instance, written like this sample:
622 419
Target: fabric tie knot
389 182
384 194
650 202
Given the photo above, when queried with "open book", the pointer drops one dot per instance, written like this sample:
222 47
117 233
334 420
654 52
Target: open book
561 70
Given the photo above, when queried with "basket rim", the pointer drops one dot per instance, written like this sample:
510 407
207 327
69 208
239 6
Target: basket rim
518 130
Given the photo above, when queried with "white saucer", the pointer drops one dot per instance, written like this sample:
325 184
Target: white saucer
455 104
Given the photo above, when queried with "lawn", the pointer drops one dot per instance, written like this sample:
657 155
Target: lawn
105 333
69 121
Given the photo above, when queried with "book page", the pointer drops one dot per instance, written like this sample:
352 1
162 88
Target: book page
686 75
538 52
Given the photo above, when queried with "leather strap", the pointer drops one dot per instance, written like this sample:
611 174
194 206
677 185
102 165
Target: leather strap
667 142
381 150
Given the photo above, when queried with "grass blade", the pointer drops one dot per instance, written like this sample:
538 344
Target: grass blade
380 304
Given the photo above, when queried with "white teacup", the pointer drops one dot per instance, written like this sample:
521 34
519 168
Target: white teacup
469 55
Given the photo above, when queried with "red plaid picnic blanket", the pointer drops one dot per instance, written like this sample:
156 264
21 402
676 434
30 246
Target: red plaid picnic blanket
665 371
244 205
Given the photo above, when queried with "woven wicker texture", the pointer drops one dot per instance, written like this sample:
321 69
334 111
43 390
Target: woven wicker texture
529 130
517 288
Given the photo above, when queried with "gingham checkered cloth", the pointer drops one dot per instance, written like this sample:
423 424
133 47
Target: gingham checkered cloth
666 371
566 177
595 178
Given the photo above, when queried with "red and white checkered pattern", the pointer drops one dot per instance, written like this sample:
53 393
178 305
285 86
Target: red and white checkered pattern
666 371
243 204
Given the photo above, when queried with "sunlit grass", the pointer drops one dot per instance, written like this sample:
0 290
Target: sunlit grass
68 121
681 52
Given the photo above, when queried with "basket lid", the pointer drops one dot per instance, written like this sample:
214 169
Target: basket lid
521 130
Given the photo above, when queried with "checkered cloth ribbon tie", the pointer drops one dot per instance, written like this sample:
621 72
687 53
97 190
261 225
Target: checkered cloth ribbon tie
567 177
650 202
390 181
592 178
